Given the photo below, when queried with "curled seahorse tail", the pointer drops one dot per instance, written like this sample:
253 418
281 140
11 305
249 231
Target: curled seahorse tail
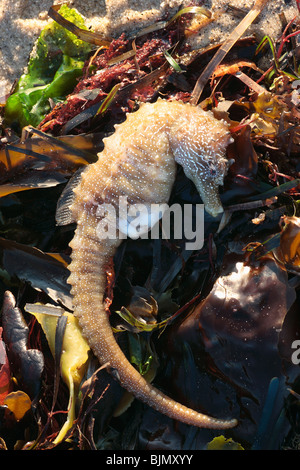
89 259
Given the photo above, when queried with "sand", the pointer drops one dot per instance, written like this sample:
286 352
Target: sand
22 20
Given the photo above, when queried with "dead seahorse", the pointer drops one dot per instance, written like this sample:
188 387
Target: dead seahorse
139 162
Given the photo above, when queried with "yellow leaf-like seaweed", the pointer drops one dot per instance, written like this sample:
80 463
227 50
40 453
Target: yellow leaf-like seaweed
221 443
289 250
18 402
74 357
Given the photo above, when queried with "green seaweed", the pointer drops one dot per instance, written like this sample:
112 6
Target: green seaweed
54 67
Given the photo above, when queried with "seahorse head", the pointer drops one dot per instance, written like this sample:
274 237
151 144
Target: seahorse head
199 143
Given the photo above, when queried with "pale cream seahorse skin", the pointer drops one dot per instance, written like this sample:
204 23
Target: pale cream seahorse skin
139 162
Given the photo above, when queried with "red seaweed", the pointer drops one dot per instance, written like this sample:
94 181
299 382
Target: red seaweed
102 77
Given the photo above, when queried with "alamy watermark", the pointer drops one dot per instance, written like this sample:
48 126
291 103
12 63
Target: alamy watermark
152 221
296 354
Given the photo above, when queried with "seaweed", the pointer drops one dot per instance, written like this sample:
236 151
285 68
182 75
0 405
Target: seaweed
56 63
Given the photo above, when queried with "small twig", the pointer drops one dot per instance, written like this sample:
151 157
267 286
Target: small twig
251 205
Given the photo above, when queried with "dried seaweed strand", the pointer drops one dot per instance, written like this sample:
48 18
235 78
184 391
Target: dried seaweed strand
108 99
251 204
225 48
165 24
85 35
249 82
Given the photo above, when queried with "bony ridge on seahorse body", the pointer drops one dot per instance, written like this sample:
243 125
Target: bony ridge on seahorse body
139 161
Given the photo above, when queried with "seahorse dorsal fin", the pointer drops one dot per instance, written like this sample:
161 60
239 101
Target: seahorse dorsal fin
63 214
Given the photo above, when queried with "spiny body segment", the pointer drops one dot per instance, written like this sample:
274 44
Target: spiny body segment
139 162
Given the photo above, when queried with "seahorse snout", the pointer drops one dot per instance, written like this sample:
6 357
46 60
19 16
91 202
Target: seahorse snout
209 193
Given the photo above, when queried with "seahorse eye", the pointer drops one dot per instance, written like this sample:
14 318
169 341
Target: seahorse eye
212 171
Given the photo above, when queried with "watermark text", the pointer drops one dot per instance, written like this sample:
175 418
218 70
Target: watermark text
152 222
